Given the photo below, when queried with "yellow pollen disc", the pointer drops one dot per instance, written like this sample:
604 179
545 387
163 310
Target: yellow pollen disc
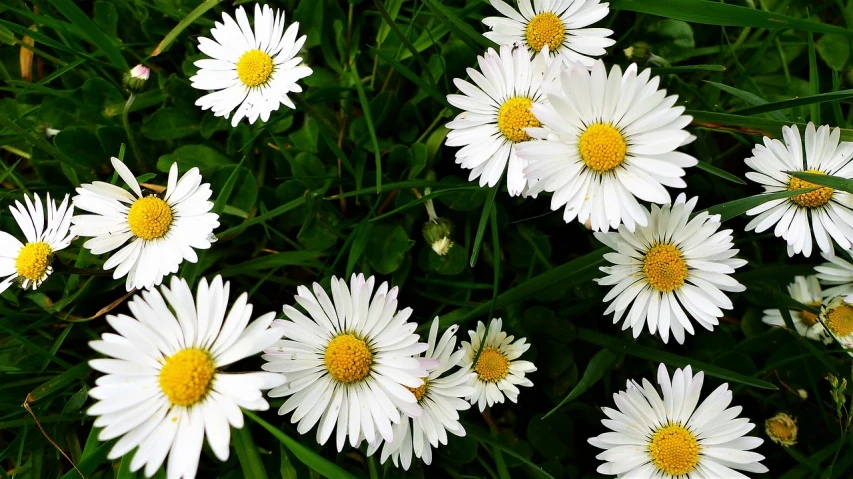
419 391
809 318
674 450
782 429
514 116
602 147
812 199
664 268
254 68
839 320
33 261
545 29
492 366
149 218
348 358
186 376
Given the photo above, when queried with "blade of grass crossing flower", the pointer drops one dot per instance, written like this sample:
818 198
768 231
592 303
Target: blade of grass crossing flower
814 80
461 29
834 182
738 207
247 453
182 25
598 366
633 349
365 108
314 461
484 218
707 167
73 13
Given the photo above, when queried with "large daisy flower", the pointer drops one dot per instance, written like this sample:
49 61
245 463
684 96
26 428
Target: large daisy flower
440 398
559 25
837 273
164 390
672 265
29 263
837 316
156 233
498 371
496 113
804 290
610 139
351 364
251 70
670 437
828 210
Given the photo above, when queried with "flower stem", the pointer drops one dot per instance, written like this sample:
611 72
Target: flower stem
125 121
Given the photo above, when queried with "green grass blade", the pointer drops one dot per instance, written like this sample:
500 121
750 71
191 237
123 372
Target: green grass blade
834 182
795 102
484 218
182 25
748 97
598 366
814 80
73 13
264 217
705 166
749 125
740 206
247 453
461 29
687 69
368 117
393 26
406 72
671 359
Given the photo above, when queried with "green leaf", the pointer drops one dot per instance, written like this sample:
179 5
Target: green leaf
414 77
477 433
795 102
631 348
705 166
814 80
740 206
749 125
834 182
274 261
169 124
598 366
82 146
58 382
481 227
834 50
73 13
687 69
713 13
386 247
182 25
316 462
365 107
461 29
247 453
748 97
91 462
189 156
264 217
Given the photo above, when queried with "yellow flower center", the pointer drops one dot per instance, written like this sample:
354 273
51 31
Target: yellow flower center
782 429
674 450
348 358
185 378
602 147
664 268
545 29
254 68
33 261
492 366
812 199
839 320
808 318
514 116
149 218
418 391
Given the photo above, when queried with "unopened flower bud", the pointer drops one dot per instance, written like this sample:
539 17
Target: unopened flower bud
437 233
803 394
782 429
135 79
638 52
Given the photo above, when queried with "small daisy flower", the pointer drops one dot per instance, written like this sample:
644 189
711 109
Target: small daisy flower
498 372
672 270
440 398
497 112
555 26
351 364
805 290
252 71
837 273
670 437
824 213
837 317
781 429
163 391
155 233
609 140
29 263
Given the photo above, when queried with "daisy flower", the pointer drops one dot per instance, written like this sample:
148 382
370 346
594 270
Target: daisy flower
837 317
440 398
29 263
670 437
252 71
823 213
164 390
498 371
559 25
351 364
837 273
781 429
671 269
805 290
155 233
496 111
609 139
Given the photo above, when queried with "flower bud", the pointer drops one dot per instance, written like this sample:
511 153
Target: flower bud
782 429
135 79
438 234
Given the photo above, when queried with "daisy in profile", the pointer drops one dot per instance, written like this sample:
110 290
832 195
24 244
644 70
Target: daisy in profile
440 398
496 112
673 270
153 234
163 391
609 140
29 263
252 70
665 435
559 25
837 273
351 363
837 317
825 213
804 290
498 371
